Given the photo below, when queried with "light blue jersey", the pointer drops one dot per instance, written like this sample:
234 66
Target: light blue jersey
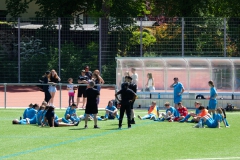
25 113
213 101
31 121
173 111
213 123
113 108
31 113
71 111
39 117
197 111
178 89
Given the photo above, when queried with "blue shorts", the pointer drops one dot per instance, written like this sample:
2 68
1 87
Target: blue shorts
210 123
212 104
177 99
52 88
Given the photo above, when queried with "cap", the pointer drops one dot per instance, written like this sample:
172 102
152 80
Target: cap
47 72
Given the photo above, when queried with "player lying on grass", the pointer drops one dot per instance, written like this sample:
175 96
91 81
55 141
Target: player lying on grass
211 122
153 112
90 117
111 111
25 121
195 116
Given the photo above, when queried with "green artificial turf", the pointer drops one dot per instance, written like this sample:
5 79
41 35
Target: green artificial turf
145 140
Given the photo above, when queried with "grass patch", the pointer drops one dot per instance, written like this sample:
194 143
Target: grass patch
146 140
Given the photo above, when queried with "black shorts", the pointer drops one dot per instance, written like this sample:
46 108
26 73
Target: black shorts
82 92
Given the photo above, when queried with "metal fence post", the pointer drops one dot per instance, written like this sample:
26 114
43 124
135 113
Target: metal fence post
182 37
100 46
225 38
141 29
60 95
59 46
19 43
5 95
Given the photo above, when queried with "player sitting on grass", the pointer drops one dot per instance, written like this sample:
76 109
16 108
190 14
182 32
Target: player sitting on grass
111 111
71 112
183 112
52 121
25 111
171 113
211 122
193 115
153 112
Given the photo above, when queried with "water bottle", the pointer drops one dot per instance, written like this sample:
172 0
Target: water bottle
158 95
232 96
150 96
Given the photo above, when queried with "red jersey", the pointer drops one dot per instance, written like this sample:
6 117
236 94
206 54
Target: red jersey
183 111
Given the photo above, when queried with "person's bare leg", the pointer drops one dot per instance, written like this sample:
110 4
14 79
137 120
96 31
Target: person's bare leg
78 100
84 102
86 119
95 119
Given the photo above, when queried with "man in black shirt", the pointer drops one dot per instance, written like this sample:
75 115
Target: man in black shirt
88 73
127 97
133 87
83 79
92 106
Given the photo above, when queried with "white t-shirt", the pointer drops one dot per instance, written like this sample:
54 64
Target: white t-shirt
135 78
150 83
70 86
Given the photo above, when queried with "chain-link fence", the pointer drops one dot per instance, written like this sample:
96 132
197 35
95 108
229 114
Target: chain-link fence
30 46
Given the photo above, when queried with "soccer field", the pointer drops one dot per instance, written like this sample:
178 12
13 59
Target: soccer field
145 140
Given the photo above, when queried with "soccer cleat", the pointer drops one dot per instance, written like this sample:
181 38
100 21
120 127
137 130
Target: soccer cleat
133 122
85 126
76 123
139 117
120 128
196 126
96 127
129 127
20 118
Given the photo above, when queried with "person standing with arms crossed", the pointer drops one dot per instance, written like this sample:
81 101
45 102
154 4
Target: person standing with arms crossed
92 106
83 79
127 97
133 87
178 91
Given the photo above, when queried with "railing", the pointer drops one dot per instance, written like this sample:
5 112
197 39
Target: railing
15 95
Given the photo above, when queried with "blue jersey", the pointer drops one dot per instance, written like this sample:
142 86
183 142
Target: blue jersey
25 113
197 111
111 108
23 121
70 112
213 123
213 101
31 113
33 120
40 116
173 111
177 89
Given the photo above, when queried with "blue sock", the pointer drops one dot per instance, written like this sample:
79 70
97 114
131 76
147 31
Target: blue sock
186 118
64 120
226 121
106 116
117 116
